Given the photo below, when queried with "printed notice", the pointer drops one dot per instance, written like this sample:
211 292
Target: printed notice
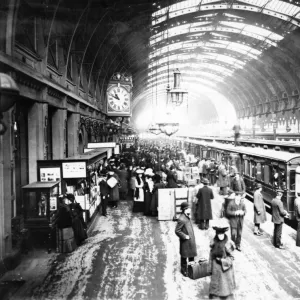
74 169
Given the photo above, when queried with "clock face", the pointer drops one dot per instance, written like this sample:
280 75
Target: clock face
118 98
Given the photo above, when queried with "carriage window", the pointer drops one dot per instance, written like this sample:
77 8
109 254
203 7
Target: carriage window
267 174
251 168
246 167
292 180
282 178
258 171
262 172
254 169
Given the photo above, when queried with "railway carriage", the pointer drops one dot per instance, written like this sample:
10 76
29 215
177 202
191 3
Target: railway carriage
273 169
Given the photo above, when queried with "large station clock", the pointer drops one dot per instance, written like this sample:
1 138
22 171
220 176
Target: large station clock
118 98
118 95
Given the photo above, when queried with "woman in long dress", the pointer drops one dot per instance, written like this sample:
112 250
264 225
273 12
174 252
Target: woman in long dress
114 190
222 283
66 239
78 224
138 200
148 190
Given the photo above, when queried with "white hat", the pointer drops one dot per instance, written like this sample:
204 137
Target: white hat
139 171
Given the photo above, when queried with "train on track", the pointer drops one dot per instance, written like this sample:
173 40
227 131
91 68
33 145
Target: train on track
273 169
292 146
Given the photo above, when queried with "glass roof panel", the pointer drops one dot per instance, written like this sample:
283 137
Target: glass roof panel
276 8
235 27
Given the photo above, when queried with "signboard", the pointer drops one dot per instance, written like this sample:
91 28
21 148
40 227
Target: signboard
50 174
101 145
117 149
127 139
74 169
166 204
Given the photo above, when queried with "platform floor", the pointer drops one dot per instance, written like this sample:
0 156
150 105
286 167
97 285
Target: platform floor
130 256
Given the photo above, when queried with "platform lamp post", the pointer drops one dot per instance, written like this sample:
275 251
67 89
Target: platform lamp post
8 96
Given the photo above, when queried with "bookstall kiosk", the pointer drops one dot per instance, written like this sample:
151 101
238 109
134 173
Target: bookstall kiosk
79 176
40 203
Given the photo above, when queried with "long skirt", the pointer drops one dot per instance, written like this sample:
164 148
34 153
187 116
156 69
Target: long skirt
147 203
79 231
138 203
66 240
298 235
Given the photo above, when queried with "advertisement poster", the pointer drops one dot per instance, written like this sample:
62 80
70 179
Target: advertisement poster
74 169
53 203
50 174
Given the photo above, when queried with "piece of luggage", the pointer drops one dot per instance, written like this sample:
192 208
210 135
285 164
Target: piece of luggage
199 269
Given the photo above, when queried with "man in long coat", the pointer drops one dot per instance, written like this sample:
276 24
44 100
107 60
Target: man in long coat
278 214
236 211
259 209
222 181
184 230
203 210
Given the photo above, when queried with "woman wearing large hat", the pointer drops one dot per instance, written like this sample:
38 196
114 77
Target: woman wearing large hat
221 261
259 209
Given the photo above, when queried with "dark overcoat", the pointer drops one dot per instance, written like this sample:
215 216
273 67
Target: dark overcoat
234 220
183 228
259 208
278 211
172 180
204 196
124 176
238 185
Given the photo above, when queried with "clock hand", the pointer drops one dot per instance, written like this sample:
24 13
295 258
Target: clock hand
116 96
112 96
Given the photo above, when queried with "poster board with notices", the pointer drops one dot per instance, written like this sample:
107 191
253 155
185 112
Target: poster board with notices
74 169
50 174
81 201
166 204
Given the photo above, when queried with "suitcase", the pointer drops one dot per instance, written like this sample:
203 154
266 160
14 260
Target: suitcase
199 269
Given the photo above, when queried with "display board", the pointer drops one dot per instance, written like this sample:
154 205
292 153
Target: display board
50 174
166 204
74 169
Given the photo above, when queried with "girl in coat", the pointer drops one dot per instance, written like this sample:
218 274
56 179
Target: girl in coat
138 200
259 209
222 282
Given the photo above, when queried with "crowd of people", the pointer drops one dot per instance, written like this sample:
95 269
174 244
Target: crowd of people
137 175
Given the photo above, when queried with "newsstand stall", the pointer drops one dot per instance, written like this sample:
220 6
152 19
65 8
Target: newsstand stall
79 175
40 204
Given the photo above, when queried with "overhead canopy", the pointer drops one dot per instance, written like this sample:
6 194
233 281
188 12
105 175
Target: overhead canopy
246 50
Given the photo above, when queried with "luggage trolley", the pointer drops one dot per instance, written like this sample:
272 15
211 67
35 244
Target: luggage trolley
180 195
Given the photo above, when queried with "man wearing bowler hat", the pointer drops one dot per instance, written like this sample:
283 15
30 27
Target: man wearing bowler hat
235 212
184 230
203 207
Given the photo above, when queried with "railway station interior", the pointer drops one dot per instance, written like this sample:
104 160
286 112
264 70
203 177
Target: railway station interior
90 87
